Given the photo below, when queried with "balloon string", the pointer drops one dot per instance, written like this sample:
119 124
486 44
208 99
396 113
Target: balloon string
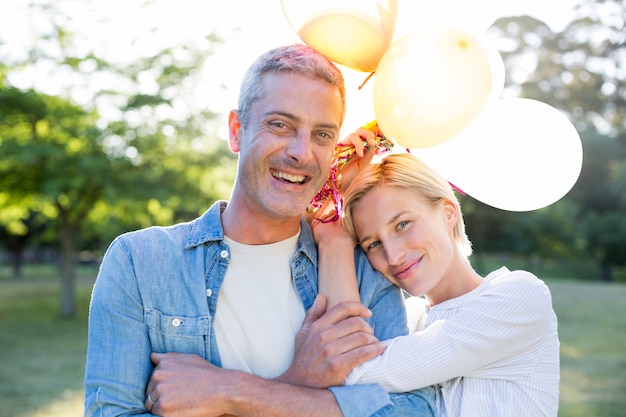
367 79
457 188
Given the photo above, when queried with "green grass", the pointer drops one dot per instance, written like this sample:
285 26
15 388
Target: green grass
42 356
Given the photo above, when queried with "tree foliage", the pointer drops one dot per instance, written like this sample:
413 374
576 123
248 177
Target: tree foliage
131 154
581 71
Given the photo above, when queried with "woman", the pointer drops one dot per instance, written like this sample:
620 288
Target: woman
489 345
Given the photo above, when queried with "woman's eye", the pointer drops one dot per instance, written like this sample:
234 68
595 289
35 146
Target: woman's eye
373 245
402 224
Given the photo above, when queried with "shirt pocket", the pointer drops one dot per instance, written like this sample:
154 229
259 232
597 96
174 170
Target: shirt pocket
179 334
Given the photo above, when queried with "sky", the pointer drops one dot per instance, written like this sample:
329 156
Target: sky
249 28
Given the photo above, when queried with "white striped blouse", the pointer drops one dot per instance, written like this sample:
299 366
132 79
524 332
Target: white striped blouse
491 352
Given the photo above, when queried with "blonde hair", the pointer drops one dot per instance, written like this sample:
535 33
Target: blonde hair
406 172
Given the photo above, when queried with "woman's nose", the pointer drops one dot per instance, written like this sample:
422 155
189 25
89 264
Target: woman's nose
394 251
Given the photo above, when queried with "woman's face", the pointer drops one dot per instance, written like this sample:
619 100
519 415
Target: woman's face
407 239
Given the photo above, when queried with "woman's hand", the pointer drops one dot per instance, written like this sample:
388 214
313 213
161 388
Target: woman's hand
352 153
357 139
331 233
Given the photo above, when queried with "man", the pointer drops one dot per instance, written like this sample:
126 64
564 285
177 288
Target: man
158 289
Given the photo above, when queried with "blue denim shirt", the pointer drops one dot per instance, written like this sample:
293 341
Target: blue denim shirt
157 291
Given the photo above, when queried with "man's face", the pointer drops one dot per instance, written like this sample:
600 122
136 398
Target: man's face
286 149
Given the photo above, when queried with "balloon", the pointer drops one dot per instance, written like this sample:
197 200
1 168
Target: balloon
353 33
519 155
475 16
431 84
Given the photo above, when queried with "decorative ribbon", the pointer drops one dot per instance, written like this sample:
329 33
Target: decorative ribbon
343 155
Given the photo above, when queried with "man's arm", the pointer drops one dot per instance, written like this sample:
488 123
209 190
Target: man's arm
328 346
188 386
118 350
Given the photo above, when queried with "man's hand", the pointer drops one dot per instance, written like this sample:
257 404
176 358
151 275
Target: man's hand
330 344
184 385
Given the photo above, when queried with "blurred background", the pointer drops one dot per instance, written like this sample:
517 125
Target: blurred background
113 118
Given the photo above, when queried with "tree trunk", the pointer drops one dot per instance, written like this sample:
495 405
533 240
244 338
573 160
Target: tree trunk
68 272
606 273
16 262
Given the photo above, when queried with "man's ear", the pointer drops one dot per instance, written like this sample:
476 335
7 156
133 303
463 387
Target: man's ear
234 128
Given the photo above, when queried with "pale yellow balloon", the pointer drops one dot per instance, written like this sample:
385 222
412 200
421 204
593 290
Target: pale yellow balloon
430 85
355 34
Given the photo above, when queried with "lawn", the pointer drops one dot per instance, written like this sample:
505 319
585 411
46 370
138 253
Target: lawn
42 356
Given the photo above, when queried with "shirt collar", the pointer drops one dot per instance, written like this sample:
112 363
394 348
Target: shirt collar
208 228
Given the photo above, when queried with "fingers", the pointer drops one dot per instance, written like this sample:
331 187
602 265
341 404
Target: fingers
345 310
342 329
150 402
156 358
356 139
316 311
351 351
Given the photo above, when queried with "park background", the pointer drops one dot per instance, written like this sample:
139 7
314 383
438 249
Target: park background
113 118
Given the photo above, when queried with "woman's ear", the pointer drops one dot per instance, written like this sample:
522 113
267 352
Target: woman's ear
451 212
234 128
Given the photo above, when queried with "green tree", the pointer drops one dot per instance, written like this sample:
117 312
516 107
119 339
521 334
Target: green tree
50 152
580 71
149 161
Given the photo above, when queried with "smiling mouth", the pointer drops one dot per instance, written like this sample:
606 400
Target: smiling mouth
294 179
402 272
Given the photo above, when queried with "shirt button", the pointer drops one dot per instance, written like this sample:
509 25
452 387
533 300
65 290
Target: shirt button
224 253
176 322
209 292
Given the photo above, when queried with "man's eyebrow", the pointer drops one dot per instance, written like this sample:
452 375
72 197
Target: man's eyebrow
295 118
281 113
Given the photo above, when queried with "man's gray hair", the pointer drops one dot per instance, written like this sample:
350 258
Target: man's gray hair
294 59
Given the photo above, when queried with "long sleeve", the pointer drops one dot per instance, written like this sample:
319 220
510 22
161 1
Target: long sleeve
388 320
116 330
491 332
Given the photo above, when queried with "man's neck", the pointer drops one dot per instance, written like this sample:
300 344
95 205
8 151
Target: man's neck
252 228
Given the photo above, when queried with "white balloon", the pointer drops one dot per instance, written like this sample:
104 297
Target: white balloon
475 16
519 155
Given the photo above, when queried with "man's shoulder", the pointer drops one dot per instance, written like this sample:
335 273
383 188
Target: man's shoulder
186 233
157 233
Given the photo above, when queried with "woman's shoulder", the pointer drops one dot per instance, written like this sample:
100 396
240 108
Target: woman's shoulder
515 278
521 286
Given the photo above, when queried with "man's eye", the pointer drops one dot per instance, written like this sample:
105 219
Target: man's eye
326 135
402 224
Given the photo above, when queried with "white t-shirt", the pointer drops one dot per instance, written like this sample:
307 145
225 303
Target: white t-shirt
491 352
258 309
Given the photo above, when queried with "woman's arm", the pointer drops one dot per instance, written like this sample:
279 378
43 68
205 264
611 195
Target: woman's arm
495 335
336 271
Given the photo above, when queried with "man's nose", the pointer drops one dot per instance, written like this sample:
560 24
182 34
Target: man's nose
300 148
